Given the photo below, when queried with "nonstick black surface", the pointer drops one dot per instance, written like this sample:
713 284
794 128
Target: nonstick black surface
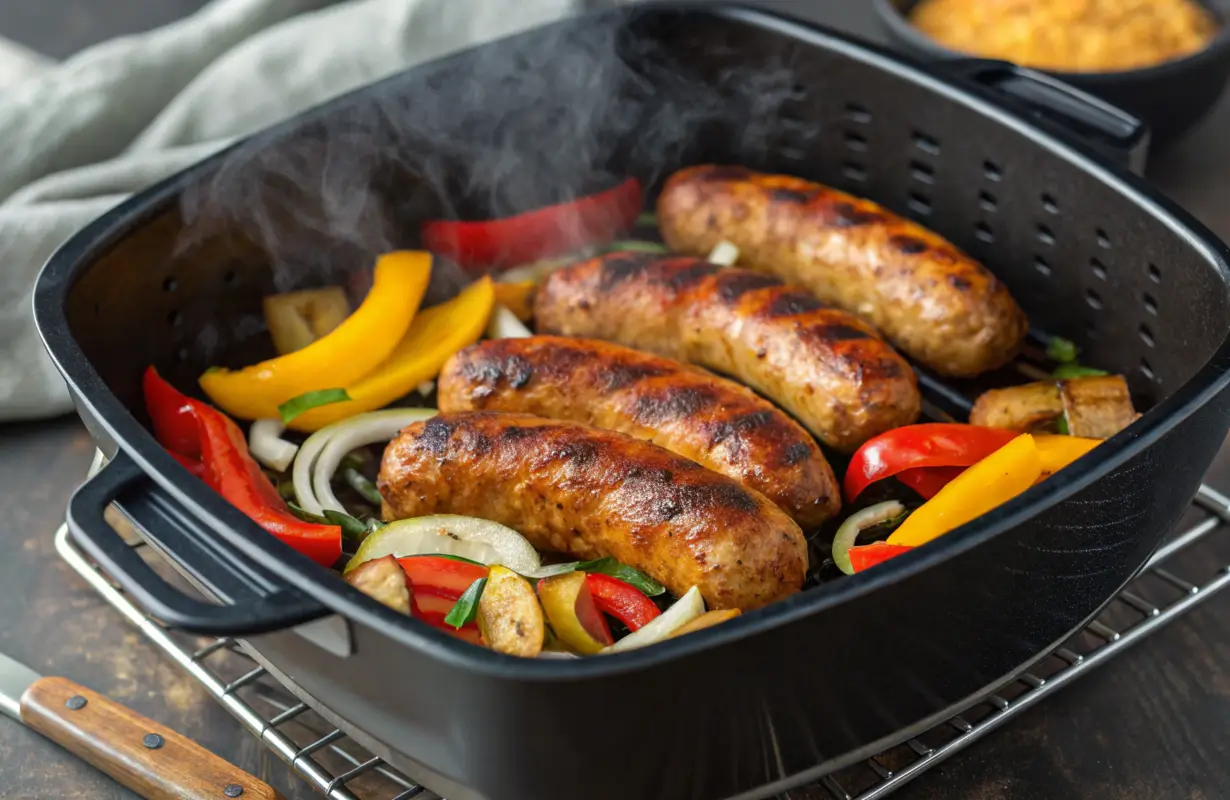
175 278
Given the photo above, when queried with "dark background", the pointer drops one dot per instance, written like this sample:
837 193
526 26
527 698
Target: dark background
1153 724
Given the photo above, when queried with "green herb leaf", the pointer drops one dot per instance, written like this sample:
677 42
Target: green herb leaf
1062 426
635 246
351 527
374 525
1061 350
648 219
309 400
634 577
298 511
363 486
287 490
1074 370
352 460
466 608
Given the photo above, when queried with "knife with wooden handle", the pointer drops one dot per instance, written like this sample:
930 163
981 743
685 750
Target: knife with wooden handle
148 758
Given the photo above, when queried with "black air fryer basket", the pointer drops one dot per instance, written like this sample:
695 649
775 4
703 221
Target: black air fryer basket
1017 169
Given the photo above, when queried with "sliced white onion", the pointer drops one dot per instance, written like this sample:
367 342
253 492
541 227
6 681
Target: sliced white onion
505 325
685 609
312 470
479 540
846 535
426 388
267 446
724 254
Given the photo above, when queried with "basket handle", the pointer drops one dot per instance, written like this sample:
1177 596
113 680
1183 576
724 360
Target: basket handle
1105 128
253 600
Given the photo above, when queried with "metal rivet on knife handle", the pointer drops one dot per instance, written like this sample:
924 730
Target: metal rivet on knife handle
75 703
233 790
152 740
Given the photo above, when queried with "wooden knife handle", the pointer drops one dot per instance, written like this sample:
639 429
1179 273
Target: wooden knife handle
148 758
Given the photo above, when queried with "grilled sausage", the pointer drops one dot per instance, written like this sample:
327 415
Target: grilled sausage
715 422
589 493
823 365
934 302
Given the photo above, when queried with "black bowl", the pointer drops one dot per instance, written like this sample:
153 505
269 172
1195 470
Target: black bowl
1171 97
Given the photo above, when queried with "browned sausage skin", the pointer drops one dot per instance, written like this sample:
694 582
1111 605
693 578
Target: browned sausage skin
715 422
825 366
586 492
936 303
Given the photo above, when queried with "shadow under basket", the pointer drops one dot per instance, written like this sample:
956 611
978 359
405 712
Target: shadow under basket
1032 182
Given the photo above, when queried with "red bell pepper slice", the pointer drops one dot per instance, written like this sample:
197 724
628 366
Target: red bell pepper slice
868 555
438 585
622 601
172 415
228 468
533 235
441 577
927 481
193 465
235 475
469 633
933 444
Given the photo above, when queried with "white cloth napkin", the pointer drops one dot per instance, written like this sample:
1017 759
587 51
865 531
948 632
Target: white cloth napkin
80 136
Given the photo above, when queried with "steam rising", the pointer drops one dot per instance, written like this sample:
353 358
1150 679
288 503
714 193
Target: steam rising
540 118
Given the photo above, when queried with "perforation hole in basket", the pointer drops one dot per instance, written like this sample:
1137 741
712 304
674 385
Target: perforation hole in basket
856 141
792 153
984 232
854 171
926 143
1146 335
856 112
919 204
1146 369
170 284
230 277
923 173
1155 274
992 171
97 309
1099 269
181 355
1049 204
1093 299
1046 235
175 318
1103 238
988 202
1150 304
1042 266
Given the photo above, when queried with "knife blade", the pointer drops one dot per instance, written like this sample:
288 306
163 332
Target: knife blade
150 759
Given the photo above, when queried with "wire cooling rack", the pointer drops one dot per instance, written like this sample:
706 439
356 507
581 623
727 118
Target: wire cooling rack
1189 568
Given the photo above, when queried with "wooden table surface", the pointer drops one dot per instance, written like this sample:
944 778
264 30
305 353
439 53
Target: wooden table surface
1153 723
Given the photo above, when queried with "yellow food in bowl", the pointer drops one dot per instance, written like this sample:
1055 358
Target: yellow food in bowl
1069 35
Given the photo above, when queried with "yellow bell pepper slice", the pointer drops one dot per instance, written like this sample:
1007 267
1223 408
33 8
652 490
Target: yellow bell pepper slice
517 298
434 335
350 351
991 482
1058 452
